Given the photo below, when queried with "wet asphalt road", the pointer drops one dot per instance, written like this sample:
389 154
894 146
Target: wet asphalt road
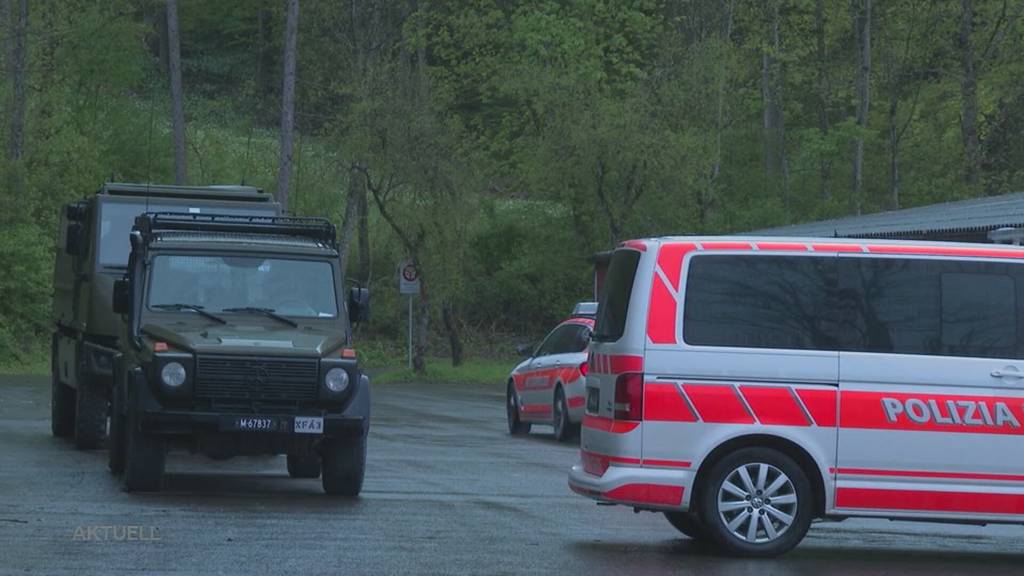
447 492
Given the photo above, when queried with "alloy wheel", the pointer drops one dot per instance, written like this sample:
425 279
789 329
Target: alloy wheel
757 503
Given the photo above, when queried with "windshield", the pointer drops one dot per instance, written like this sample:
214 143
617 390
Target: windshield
301 288
117 219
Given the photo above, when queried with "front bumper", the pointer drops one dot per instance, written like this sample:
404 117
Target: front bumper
170 422
647 488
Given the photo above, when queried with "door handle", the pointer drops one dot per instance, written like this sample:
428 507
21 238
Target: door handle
1008 372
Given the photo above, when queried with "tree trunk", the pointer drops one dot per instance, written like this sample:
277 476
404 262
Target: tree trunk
419 353
969 95
349 221
6 50
451 326
862 25
706 198
774 121
19 63
894 153
177 106
284 173
364 237
825 165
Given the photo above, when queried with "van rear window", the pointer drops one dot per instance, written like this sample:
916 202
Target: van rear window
618 287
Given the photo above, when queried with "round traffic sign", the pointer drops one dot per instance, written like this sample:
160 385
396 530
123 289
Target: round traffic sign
410 273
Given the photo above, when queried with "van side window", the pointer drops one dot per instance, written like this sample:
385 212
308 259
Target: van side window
933 307
761 302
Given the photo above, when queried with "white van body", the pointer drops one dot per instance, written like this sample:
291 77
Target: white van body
890 373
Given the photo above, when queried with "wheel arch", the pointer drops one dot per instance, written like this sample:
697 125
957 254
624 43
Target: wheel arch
788 447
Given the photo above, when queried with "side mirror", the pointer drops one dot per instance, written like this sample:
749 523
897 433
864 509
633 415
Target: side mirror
122 297
75 212
358 304
75 238
525 350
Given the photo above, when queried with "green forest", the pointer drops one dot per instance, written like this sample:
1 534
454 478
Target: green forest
500 143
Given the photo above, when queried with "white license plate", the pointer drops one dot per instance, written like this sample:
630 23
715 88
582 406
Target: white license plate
309 425
255 424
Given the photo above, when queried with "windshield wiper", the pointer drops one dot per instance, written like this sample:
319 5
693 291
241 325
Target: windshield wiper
193 307
268 312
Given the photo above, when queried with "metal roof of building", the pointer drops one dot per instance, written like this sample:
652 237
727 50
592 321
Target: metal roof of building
974 215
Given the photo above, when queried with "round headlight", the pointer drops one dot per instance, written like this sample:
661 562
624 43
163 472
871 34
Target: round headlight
173 374
336 380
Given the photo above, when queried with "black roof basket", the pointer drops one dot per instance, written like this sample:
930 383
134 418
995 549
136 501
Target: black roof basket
319 229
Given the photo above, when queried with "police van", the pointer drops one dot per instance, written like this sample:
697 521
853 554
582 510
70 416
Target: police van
747 386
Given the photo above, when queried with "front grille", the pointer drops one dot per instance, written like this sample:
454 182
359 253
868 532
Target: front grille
242 380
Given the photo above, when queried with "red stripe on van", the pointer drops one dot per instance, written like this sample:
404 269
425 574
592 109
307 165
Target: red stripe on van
661 314
664 402
666 463
821 404
670 260
638 245
947 251
647 494
597 464
782 246
619 363
928 474
837 247
718 404
774 406
608 425
726 245
929 500
931 413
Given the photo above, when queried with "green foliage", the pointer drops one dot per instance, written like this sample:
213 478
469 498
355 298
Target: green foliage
508 140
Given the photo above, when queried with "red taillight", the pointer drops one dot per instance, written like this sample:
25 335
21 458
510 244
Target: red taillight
583 369
629 396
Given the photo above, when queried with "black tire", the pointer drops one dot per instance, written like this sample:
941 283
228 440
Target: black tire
303 465
145 457
116 442
565 430
344 465
688 523
90 416
516 427
62 401
798 490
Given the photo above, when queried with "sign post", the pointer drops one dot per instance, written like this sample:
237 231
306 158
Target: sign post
409 284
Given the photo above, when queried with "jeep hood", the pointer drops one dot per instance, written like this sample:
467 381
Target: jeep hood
247 338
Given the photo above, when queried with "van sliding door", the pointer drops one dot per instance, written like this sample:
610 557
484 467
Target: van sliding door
932 388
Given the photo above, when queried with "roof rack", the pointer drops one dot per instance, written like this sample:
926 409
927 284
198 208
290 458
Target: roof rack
318 229
221 192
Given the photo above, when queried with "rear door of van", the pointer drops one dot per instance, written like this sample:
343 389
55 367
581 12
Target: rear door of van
932 385
611 425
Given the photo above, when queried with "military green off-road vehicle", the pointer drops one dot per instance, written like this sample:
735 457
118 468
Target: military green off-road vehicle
92 252
236 340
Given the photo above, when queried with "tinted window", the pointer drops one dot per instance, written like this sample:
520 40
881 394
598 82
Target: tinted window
761 302
117 219
565 340
944 308
618 287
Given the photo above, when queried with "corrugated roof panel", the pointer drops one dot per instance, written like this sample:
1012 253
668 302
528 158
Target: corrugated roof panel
986 213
